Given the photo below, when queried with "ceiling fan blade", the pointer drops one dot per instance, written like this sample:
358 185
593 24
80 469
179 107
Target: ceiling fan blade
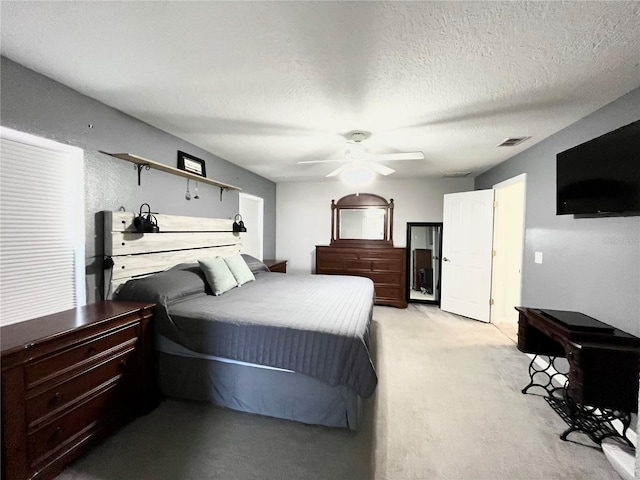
398 156
320 161
381 169
338 170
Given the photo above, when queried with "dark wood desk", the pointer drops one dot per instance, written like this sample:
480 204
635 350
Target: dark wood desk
604 363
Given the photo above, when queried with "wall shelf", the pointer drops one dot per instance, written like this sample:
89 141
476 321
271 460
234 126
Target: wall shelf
148 164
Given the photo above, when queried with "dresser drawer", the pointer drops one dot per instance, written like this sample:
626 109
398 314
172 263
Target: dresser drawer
330 265
339 255
75 388
382 254
64 429
384 292
42 370
334 258
354 266
384 279
394 266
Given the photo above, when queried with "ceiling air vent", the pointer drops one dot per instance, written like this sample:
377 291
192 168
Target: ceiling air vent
512 141
456 174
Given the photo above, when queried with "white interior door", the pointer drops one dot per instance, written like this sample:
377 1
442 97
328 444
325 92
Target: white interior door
252 210
508 239
467 239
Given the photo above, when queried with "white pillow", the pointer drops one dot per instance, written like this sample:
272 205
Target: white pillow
218 275
239 269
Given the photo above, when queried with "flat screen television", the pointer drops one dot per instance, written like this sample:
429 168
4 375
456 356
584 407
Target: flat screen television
601 176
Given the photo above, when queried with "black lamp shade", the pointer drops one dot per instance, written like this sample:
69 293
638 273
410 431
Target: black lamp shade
238 224
147 224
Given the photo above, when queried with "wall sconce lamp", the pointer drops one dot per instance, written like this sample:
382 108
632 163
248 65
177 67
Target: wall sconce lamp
147 224
238 225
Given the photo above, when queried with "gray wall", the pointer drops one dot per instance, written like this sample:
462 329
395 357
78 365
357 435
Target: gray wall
591 265
40 106
415 200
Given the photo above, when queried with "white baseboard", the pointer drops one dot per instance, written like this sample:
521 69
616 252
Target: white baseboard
621 458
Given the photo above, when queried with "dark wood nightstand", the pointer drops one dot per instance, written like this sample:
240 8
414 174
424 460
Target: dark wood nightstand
276 265
68 380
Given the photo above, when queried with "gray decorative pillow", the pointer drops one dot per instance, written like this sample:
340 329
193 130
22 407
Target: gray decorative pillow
255 265
165 288
218 275
239 268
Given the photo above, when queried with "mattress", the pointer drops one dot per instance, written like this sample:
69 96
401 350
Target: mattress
164 345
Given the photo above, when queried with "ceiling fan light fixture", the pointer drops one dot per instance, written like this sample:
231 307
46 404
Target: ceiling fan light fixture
356 155
358 136
355 151
357 176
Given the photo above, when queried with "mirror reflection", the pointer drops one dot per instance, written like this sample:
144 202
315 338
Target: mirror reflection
362 224
362 220
423 256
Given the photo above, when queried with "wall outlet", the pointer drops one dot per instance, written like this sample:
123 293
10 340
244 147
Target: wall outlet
538 257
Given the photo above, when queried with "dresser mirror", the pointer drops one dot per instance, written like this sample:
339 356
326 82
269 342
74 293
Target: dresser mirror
362 219
362 224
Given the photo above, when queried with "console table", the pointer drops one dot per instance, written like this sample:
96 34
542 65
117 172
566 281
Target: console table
604 368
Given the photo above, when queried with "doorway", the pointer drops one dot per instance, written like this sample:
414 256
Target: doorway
482 252
467 240
252 210
508 245
424 244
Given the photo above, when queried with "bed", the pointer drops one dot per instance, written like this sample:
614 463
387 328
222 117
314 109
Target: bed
288 346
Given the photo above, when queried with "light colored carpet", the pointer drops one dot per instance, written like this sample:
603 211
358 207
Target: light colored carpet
451 407
448 406
510 329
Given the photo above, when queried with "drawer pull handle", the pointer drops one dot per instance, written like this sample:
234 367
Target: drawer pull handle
55 400
91 351
57 433
122 366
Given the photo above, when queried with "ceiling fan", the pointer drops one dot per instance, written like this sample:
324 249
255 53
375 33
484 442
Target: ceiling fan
356 156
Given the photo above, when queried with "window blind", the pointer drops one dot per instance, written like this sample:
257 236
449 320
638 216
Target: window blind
41 227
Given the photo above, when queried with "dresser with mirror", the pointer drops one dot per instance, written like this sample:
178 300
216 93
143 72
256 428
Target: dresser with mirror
362 245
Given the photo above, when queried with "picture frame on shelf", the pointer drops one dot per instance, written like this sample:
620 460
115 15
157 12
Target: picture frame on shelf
191 164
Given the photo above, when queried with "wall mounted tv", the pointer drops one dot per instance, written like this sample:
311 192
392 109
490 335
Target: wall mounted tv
601 176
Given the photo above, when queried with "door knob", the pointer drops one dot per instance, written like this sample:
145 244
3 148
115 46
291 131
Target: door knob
445 259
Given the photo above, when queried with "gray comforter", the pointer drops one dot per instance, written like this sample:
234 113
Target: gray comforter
313 324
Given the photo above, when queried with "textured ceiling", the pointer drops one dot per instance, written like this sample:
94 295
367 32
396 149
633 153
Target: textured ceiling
267 84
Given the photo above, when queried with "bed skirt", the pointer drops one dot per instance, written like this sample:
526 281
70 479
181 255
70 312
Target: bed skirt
265 391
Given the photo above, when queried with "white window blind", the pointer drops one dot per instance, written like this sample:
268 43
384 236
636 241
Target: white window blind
41 227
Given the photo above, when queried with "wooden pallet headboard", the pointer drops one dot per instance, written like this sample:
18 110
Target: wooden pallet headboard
180 240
